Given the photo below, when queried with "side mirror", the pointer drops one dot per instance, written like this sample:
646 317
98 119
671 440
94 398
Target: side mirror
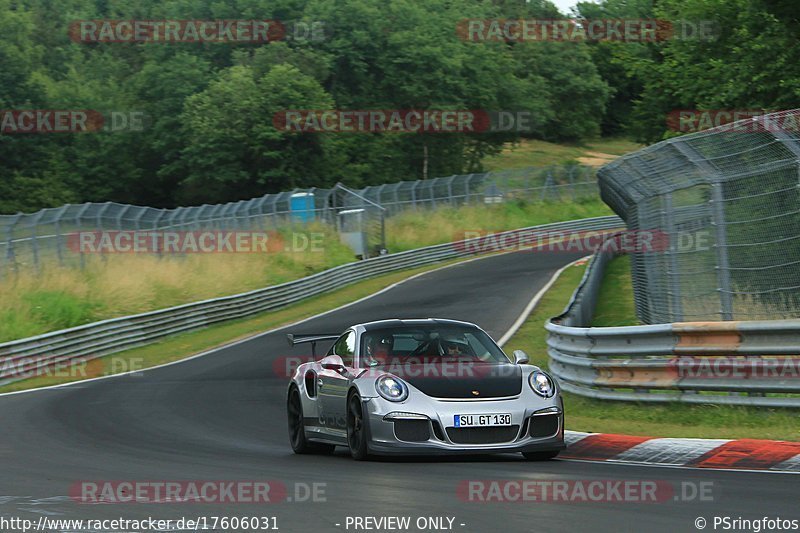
520 357
332 362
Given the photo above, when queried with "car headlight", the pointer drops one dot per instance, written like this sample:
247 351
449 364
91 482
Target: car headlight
391 388
542 384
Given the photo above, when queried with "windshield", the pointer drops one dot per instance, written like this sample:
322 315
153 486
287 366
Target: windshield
429 345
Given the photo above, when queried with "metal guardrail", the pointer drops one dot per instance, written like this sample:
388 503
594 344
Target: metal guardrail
21 358
732 363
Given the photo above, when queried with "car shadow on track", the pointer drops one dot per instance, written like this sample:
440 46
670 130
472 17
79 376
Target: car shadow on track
342 453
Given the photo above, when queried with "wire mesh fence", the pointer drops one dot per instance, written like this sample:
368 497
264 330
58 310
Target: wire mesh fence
29 242
727 203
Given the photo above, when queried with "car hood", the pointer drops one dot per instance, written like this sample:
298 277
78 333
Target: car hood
472 381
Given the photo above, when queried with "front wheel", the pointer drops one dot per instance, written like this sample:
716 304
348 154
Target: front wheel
356 429
541 456
297 432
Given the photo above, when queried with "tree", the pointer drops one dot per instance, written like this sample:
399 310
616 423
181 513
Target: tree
233 149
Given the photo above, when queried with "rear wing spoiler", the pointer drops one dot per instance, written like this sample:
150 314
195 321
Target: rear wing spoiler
313 338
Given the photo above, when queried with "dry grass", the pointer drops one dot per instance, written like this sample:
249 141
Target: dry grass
181 346
413 229
119 285
536 153
113 286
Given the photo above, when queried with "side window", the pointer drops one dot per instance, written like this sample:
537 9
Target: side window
345 348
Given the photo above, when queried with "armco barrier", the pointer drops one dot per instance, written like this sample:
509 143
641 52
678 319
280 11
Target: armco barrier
27 356
734 363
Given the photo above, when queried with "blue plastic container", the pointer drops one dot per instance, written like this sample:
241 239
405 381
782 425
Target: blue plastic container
301 205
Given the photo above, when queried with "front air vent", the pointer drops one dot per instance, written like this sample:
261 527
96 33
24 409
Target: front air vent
489 435
412 430
543 426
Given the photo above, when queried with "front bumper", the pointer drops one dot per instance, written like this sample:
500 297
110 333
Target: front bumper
524 411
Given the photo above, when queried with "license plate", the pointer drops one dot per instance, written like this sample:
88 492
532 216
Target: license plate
475 421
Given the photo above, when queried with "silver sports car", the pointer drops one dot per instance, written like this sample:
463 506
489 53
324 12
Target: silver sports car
429 386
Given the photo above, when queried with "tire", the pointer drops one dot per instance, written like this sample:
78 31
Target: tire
297 432
356 429
541 456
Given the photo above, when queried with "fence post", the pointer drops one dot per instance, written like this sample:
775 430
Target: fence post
170 223
78 217
547 183
137 222
450 188
99 219
718 221
676 307
723 267
383 232
414 194
379 194
99 216
397 196
121 215
35 239
156 228
59 246
237 214
11 258
571 179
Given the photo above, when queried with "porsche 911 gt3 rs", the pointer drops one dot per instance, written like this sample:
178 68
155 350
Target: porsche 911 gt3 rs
422 386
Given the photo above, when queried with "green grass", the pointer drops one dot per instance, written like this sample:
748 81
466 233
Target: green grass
615 305
530 337
583 414
185 345
126 284
413 229
613 145
118 285
534 153
33 303
58 309
635 418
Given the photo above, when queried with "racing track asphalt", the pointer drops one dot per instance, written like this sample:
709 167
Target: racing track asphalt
222 417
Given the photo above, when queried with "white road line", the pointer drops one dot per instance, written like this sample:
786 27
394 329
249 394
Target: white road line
257 335
661 450
534 302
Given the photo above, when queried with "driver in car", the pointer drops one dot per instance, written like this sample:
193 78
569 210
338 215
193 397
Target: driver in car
377 350
454 349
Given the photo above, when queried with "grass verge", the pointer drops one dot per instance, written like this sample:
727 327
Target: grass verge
535 153
122 284
636 418
583 414
126 284
615 305
414 229
185 345
109 286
